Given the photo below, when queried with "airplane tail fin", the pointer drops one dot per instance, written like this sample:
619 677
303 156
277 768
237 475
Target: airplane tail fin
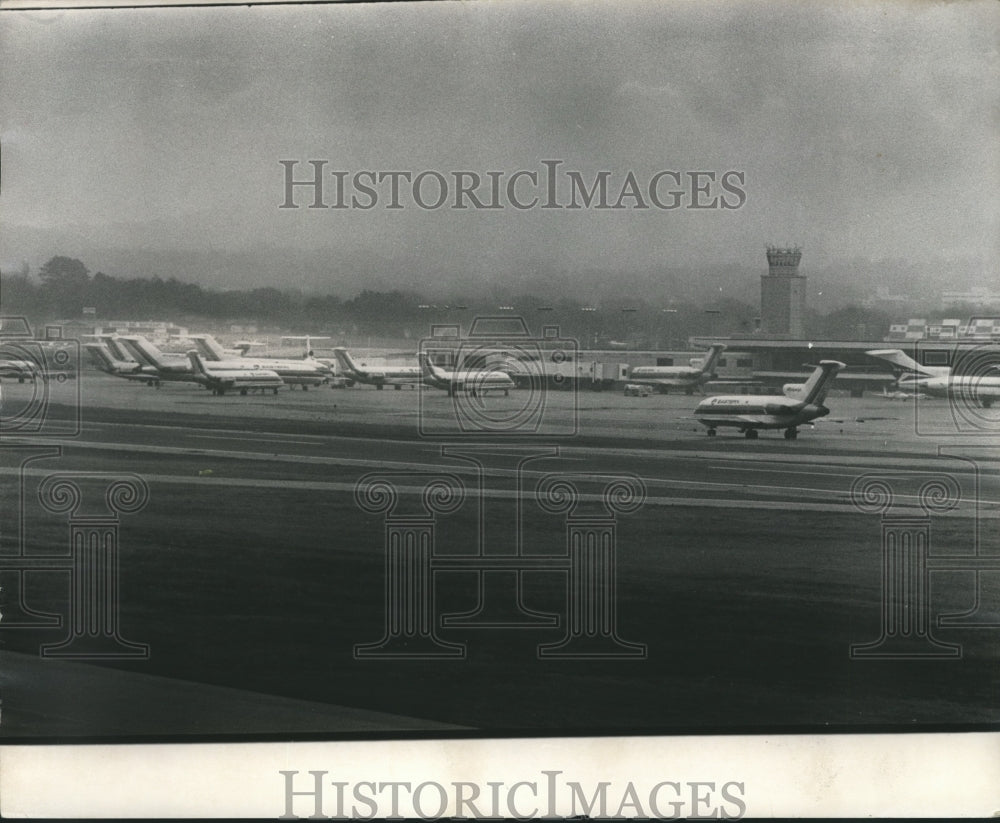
712 358
904 361
345 361
427 368
142 350
209 347
197 364
101 357
815 388
113 344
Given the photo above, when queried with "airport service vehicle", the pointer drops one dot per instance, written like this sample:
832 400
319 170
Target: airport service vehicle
938 381
750 413
635 390
900 395
396 376
221 380
473 381
689 378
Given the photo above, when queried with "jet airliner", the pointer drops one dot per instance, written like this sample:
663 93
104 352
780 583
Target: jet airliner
749 413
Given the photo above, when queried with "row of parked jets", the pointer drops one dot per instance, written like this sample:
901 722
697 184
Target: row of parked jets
221 371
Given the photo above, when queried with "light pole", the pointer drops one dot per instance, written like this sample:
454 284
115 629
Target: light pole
665 338
625 329
712 314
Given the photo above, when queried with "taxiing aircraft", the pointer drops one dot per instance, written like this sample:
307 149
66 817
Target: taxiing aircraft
474 381
749 413
688 378
396 376
938 381
221 380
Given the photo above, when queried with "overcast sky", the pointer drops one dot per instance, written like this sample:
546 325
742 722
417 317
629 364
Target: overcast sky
863 130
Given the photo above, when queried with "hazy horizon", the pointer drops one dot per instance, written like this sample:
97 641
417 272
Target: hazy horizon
147 142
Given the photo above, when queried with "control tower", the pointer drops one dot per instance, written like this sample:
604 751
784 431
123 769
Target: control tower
783 294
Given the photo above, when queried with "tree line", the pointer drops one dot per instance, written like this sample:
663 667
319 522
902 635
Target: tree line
64 286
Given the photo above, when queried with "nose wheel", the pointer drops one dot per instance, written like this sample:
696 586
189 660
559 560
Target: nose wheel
711 432
750 434
791 434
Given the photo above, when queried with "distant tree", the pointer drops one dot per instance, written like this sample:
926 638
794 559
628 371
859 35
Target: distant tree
64 271
65 282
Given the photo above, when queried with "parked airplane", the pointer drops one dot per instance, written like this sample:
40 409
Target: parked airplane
19 368
307 340
396 376
474 381
938 381
167 367
750 413
305 373
128 369
221 380
688 378
173 368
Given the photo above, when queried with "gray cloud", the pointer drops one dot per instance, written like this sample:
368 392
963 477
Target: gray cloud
865 130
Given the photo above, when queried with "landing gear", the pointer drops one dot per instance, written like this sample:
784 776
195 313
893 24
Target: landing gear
711 432
398 386
243 392
987 402
305 387
750 434
379 386
275 390
791 434
506 392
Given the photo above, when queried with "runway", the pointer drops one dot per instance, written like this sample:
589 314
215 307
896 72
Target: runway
745 569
